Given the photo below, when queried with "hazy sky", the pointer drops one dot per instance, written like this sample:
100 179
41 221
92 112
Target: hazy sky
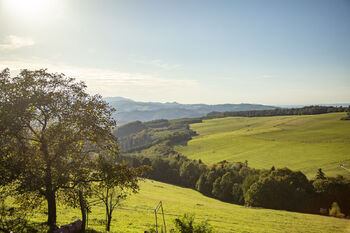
269 52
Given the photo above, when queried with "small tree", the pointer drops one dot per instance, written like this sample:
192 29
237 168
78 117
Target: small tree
335 210
78 198
246 163
117 182
186 224
320 174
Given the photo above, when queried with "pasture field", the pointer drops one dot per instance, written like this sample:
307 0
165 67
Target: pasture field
305 143
136 213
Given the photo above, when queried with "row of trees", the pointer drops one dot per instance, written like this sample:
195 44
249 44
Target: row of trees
308 110
240 184
56 140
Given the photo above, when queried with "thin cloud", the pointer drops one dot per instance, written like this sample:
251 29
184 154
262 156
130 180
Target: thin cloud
15 42
267 76
158 63
107 82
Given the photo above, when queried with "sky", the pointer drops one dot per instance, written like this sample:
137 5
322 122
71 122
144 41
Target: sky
189 51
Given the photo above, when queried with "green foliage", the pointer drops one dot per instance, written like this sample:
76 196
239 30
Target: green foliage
186 224
222 181
308 110
280 189
332 189
231 182
223 187
189 173
335 210
248 181
157 123
50 129
205 183
177 138
330 185
137 136
237 194
116 182
14 220
347 115
320 174
130 128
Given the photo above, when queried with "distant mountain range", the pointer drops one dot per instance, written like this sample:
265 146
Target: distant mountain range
129 110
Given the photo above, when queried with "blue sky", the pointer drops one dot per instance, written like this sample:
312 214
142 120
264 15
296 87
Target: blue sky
268 52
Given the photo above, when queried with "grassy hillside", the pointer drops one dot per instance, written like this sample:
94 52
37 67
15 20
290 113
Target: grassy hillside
136 214
303 143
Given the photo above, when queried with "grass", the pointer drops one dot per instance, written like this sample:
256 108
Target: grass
303 143
136 214
299 142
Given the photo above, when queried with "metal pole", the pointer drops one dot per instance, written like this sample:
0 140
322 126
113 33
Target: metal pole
163 217
155 212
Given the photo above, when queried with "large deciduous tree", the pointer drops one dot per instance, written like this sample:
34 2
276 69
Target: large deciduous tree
50 131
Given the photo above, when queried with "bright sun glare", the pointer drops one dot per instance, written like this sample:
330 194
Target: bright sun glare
29 8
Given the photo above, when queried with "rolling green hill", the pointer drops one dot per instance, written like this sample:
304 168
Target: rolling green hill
303 143
136 214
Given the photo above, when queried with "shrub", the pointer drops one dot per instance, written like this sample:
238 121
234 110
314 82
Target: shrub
186 224
335 211
12 220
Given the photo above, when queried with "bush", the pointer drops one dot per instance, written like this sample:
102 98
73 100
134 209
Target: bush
186 224
11 220
335 211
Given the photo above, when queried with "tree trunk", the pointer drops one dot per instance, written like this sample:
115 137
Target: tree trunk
51 206
109 220
83 211
50 191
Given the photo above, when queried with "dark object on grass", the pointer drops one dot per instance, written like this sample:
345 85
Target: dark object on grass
73 227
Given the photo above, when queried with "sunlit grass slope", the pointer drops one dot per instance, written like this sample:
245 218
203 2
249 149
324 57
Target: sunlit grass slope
303 143
137 214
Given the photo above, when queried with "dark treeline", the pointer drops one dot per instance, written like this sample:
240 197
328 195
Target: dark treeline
240 184
309 110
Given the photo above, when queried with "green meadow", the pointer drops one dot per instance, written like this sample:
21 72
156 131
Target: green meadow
303 143
136 213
